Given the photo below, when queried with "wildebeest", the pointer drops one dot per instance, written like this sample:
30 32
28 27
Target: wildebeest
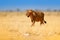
36 16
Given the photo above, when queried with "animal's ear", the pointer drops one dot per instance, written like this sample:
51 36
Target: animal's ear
29 11
34 13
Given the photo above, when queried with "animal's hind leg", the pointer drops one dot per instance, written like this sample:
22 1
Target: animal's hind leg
41 22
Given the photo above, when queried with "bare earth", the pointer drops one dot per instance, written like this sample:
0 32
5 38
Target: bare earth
18 27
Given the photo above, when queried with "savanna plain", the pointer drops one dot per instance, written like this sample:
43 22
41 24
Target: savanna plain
17 26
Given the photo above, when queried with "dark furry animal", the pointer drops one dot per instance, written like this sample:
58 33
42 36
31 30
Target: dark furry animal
36 16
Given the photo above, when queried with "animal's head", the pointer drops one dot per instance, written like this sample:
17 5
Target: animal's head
30 12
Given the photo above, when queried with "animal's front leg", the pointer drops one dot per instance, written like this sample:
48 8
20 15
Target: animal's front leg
33 22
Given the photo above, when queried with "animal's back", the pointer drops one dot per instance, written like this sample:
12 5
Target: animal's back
39 13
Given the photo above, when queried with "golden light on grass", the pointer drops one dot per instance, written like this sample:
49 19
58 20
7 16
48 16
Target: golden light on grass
16 26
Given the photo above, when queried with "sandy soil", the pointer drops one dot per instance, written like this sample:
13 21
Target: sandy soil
18 27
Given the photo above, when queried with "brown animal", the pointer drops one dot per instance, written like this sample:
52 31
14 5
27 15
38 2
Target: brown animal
36 16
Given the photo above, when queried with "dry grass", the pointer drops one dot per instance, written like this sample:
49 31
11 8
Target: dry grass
16 26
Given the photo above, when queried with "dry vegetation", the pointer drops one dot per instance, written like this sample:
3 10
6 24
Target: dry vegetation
16 26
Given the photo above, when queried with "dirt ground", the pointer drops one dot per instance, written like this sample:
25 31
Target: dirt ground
18 27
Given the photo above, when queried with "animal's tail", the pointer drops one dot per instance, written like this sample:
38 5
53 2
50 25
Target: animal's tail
45 21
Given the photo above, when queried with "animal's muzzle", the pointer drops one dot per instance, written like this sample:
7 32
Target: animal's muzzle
27 16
